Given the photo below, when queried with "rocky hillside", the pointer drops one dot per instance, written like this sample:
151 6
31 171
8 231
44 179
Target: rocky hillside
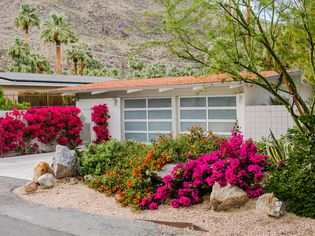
103 24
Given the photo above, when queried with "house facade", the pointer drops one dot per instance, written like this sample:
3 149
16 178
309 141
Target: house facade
142 109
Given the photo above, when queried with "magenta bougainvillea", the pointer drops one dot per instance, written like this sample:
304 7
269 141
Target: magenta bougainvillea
51 125
11 133
236 162
100 117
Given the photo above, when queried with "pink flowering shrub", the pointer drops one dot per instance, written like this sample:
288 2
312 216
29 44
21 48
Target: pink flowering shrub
61 125
100 118
11 133
236 163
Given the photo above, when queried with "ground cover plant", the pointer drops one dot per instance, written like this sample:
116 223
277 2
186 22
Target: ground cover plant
125 168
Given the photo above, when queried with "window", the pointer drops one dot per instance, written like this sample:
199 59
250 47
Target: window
217 114
145 119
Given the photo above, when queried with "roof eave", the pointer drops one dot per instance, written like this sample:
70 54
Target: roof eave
183 86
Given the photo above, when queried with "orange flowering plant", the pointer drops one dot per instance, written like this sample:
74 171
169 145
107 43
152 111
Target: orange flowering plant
124 168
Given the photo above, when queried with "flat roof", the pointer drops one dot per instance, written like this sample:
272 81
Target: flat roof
153 83
48 80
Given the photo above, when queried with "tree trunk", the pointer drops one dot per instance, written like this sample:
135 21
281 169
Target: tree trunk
248 9
58 59
82 67
75 67
39 70
26 36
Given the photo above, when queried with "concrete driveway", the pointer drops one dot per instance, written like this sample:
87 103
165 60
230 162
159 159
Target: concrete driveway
21 167
18 217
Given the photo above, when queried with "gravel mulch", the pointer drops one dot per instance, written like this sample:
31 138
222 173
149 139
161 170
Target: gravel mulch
244 221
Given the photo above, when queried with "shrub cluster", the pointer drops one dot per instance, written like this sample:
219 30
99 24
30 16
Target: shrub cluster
19 129
51 125
8 104
293 180
124 168
236 162
100 118
11 130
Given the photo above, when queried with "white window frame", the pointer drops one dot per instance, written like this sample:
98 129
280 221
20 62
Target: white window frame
206 108
147 120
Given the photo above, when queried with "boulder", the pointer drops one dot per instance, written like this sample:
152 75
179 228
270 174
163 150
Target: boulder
65 162
41 169
30 187
227 197
271 205
165 170
46 181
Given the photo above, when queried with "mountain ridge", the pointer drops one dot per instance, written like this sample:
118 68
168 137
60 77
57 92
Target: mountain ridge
103 25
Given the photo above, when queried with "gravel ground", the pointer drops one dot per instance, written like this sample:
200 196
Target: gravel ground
244 221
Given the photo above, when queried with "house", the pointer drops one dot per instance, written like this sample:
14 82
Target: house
143 108
34 87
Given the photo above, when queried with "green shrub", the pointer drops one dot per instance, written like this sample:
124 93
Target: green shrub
113 153
293 181
7 104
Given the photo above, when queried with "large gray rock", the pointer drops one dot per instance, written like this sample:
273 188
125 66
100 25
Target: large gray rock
271 205
46 181
227 197
65 162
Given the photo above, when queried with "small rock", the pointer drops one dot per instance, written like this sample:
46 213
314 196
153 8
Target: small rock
271 205
65 162
46 181
41 169
264 200
276 209
88 178
227 197
30 187
73 181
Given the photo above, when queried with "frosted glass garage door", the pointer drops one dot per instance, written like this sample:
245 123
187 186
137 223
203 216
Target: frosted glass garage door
217 114
145 119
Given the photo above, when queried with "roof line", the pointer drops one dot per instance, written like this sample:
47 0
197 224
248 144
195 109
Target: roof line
43 81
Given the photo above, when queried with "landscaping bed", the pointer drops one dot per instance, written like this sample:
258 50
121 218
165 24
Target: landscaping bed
243 221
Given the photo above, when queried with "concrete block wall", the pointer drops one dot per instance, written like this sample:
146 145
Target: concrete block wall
260 119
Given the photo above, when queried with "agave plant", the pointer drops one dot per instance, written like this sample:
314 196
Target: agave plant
277 152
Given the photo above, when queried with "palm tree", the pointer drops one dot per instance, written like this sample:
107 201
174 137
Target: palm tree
27 18
85 56
73 54
19 49
40 63
79 52
57 30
